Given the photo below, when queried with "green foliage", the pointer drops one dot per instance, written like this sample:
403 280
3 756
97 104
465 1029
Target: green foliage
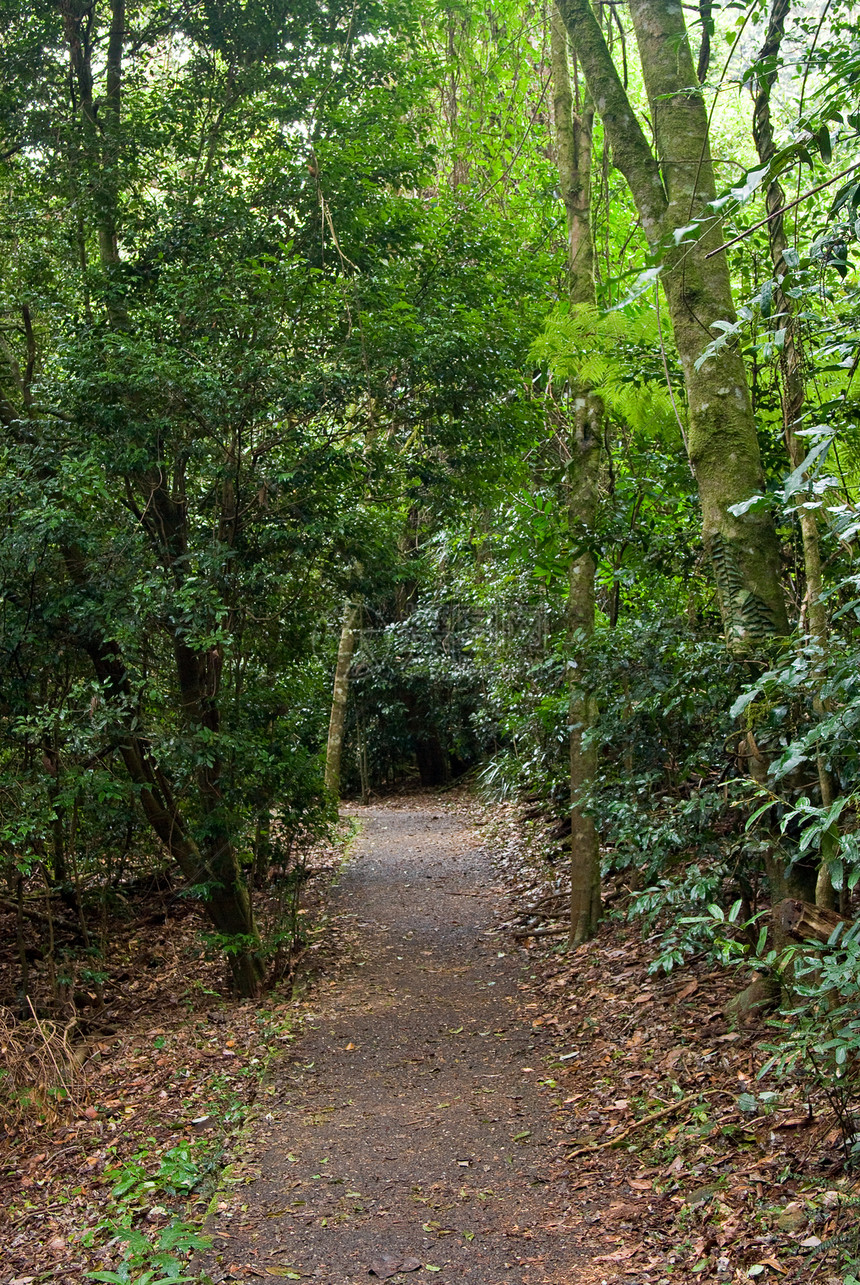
282 323
416 692
160 1263
618 355
819 1028
211 423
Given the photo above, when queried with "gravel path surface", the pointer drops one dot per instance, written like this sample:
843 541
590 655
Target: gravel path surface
407 1128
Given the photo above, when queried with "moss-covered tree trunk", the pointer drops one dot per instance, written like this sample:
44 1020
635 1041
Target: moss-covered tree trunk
584 421
671 187
584 445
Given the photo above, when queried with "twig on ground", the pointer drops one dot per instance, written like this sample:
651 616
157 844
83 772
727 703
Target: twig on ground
542 932
647 1119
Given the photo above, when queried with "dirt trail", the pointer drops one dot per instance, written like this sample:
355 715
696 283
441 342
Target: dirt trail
408 1122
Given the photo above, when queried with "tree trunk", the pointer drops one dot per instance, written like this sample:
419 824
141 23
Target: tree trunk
100 135
209 861
802 921
340 694
198 672
671 189
211 864
793 393
585 842
573 128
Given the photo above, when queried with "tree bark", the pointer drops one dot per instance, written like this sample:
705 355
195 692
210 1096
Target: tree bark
212 863
573 130
340 695
802 921
671 189
793 391
198 672
585 842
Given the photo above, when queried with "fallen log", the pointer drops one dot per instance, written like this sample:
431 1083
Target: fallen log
37 916
802 920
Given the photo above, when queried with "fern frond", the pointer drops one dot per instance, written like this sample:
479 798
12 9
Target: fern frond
616 355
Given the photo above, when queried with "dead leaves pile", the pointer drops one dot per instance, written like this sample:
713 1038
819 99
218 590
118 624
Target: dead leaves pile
719 1175
168 1070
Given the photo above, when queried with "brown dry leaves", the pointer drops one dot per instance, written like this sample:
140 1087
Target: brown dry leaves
169 1060
709 1191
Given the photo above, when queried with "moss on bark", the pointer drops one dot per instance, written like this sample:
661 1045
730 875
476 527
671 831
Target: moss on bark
671 189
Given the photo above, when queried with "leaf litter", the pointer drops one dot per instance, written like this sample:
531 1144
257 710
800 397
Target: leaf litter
158 1078
716 1178
719 1174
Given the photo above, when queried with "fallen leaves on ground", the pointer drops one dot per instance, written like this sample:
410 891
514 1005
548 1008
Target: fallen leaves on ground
728 1185
736 1177
163 1074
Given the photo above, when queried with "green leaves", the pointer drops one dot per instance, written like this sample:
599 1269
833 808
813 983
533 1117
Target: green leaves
617 355
158 1262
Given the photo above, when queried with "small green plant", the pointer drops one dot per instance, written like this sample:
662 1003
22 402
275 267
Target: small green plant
159 1263
181 1168
845 1240
820 1032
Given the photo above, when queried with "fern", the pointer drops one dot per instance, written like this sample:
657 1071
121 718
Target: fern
616 355
727 572
751 617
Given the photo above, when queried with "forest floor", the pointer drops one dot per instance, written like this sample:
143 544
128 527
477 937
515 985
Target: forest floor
443 1098
454 1104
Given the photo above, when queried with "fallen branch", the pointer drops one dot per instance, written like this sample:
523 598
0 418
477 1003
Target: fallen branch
37 917
550 897
542 932
647 1119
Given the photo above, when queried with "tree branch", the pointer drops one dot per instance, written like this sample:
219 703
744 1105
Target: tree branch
631 151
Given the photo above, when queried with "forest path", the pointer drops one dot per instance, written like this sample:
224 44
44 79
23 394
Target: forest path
407 1125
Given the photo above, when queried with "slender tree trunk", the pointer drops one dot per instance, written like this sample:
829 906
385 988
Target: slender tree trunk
24 992
671 189
792 389
213 863
585 842
100 135
793 392
340 694
198 672
574 122
573 130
